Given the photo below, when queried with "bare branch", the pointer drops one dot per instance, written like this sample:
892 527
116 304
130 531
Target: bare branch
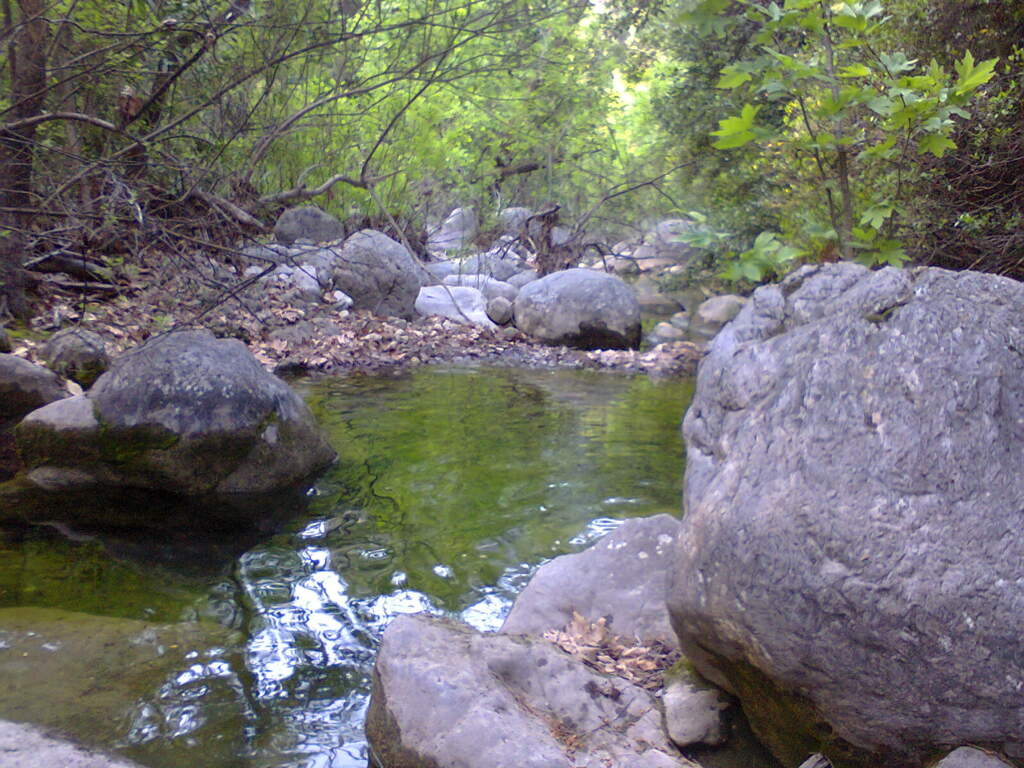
241 216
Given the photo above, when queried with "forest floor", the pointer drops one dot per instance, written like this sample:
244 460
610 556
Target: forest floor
289 334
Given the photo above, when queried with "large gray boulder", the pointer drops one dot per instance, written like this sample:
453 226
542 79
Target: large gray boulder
184 412
25 386
580 308
666 239
307 222
447 696
633 560
849 563
379 274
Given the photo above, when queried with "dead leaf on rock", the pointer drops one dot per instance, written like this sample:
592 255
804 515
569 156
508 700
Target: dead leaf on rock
595 646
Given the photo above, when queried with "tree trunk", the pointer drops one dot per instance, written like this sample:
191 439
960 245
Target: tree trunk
27 57
13 303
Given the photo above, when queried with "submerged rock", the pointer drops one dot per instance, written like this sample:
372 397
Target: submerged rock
446 696
580 308
184 412
23 746
848 559
103 680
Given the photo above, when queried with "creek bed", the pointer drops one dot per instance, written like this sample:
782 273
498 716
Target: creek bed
215 643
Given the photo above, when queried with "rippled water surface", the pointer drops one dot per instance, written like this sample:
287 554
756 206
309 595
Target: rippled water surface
206 640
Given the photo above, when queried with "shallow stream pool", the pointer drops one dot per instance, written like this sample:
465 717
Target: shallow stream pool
244 634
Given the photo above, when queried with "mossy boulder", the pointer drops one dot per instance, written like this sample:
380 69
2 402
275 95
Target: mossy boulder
77 354
185 413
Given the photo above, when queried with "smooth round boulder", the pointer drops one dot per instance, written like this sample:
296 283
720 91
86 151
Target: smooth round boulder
499 310
184 412
500 263
378 273
714 313
307 222
849 563
580 308
77 354
459 303
25 386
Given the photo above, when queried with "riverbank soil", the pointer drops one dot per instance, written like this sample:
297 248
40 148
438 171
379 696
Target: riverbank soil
290 334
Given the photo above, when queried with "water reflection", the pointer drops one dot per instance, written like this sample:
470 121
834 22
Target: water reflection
452 488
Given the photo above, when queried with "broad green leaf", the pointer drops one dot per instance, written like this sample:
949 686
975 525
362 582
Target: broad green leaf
732 77
735 131
854 70
751 271
897 63
788 253
850 21
764 241
876 215
883 150
890 252
935 144
733 140
971 76
881 105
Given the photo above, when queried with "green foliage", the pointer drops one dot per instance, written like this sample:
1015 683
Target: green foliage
856 120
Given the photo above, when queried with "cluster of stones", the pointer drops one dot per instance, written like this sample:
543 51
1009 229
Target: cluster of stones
438 685
847 565
580 308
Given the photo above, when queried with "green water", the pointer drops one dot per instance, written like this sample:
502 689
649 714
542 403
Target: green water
200 640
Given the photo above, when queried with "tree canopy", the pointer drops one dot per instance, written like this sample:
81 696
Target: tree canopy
802 129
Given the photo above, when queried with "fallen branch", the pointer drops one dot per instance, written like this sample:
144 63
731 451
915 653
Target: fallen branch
85 286
76 267
238 214
304 193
